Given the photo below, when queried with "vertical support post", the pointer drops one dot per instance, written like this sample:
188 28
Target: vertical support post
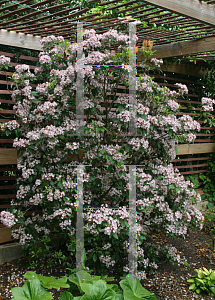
80 223
132 256
80 80
132 79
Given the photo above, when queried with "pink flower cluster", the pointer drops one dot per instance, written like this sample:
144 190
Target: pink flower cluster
7 219
182 88
11 125
156 61
4 60
207 104
51 38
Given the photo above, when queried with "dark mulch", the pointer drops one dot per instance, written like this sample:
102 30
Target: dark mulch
168 282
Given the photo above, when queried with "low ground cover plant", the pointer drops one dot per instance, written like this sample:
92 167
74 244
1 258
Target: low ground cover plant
50 145
203 281
90 287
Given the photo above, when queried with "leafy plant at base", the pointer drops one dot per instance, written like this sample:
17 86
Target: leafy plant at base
204 281
91 288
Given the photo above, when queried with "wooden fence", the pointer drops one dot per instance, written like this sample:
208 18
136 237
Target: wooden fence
191 159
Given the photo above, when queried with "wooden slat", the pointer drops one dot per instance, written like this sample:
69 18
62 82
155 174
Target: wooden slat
4 206
8 187
5 235
193 172
8 169
205 44
191 166
8 156
8 196
5 141
8 177
185 69
9 7
203 141
7 101
193 9
185 149
7 111
11 38
191 159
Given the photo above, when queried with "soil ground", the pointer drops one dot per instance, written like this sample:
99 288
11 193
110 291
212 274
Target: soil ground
168 282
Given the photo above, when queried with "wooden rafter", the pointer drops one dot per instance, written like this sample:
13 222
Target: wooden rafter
27 41
183 48
195 9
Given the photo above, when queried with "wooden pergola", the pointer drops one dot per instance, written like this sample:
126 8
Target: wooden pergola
176 27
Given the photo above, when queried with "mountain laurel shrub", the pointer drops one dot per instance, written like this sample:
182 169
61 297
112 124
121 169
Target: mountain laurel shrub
50 146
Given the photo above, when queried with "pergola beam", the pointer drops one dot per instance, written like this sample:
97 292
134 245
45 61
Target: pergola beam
22 40
182 48
194 9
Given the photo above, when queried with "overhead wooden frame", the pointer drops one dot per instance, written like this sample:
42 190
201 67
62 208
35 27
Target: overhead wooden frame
195 9
27 41
183 48
192 23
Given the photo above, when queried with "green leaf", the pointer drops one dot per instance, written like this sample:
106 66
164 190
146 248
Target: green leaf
133 290
212 276
31 291
59 185
190 280
94 257
192 287
66 296
77 279
119 295
48 282
97 291
115 235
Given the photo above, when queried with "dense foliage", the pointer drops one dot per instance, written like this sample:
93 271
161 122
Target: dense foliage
50 147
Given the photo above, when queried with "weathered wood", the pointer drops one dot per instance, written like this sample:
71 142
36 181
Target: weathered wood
8 156
195 9
185 48
185 149
185 69
191 166
27 41
5 235
194 172
8 196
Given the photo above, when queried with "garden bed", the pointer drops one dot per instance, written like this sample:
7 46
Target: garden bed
169 281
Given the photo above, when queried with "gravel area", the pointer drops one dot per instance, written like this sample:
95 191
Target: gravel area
168 282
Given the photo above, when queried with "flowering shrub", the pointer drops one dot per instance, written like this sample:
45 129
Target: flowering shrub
49 148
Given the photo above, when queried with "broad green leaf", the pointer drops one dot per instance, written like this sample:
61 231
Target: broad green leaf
119 295
213 276
31 291
77 279
47 282
133 290
190 280
200 273
192 287
200 280
66 296
97 291
212 289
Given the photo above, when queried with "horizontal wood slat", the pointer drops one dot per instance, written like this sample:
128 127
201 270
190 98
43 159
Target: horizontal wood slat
8 196
185 149
8 156
5 235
